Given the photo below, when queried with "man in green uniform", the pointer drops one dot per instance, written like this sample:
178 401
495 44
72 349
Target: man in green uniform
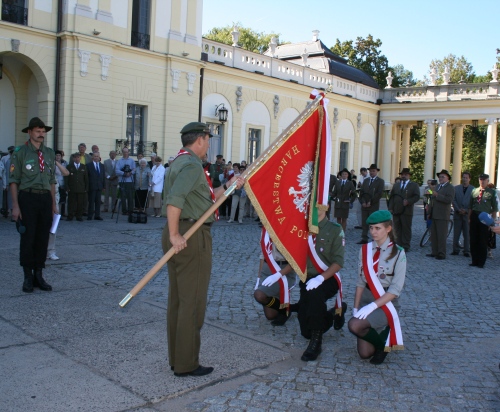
483 199
32 185
189 194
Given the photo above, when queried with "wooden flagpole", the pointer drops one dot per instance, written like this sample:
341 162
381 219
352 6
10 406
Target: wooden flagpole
166 257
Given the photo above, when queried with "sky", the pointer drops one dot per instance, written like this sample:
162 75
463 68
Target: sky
412 33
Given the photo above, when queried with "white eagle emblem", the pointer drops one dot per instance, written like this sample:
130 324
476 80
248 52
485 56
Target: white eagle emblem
302 196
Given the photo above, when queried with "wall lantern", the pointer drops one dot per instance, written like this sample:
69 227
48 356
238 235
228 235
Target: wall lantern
474 123
221 112
420 123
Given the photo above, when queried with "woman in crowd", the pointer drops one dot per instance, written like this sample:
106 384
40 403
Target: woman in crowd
60 181
382 271
142 180
238 197
158 176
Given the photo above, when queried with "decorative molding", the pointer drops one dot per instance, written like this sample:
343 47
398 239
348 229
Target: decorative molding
105 16
407 126
190 39
276 102
176 74
386 122
84 60
14 44
239 99
175 35
191 77
491 120
389 80
441 122
358 118
83 10
335 117
429 121
105 61
456 126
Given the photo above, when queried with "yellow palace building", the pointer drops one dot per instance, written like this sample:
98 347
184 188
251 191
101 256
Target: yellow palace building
131 73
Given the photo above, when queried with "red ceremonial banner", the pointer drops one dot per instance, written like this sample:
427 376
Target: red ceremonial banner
280 188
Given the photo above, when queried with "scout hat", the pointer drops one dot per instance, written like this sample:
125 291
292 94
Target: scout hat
36 122
444 172
196 127
345 170
405 171
374 166
484 176
378 217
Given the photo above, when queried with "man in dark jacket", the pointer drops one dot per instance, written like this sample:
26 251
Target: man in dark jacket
96 177
77 185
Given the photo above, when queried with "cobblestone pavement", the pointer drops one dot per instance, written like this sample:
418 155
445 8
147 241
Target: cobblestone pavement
450 320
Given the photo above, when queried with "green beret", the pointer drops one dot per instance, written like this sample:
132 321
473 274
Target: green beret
196 127
378 217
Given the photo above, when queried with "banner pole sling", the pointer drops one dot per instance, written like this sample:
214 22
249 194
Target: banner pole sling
166 257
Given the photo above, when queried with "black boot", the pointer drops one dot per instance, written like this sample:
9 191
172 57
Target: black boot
314 348
339 320
380 353
281 319
28 280
40 282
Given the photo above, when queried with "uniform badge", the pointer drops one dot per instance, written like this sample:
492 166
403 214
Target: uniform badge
28 167
382 276
12 167
321 249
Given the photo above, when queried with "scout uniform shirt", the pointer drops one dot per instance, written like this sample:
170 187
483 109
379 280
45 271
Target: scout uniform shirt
329 246
391 273
187 188
488 202
25 168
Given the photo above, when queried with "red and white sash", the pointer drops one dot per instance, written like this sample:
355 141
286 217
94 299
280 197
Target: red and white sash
321 267
266 245
207 176
370 269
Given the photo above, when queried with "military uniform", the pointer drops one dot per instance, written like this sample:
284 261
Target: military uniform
187 188
440 211
313 314
35 200
482 200
371 191
344 193
77 184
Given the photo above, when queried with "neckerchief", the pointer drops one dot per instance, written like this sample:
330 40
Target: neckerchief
207 176
395 338
321 267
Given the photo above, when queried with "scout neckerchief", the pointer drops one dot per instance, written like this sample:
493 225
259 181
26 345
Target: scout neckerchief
370 269
266 245
322 267
207 176
41 162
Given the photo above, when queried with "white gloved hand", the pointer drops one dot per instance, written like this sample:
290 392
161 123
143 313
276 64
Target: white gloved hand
366 310
257 284
314 282
354 312
271 280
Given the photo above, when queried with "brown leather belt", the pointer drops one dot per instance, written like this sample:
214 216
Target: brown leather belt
36 191
194 221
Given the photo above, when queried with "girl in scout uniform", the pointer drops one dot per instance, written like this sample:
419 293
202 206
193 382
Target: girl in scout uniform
382 270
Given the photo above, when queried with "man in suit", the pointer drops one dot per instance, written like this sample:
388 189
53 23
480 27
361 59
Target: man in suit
111 183
461 205
77 184
85 159
401 203
95 170
440 209
344 193
369 197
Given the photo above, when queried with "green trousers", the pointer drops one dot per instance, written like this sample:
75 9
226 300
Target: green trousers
189 275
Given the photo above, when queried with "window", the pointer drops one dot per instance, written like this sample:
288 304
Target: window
216 143
344 152
141 12
15 11
136 135
253 144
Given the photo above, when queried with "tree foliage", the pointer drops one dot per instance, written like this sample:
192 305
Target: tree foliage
251 40
460 69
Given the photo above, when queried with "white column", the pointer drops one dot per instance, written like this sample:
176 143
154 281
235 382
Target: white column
405 146
385 160
441 146
397 153
447 161
429 151
457 153
491 141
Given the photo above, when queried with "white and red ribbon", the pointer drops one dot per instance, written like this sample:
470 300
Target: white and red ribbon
266 245
322 267
207 176
395 338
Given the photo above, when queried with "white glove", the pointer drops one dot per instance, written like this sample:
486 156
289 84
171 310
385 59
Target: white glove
314 282
271 280
366 310
354 312
257 284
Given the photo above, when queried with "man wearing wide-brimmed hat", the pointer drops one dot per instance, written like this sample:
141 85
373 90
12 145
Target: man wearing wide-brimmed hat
32 186
369 197
440 210
343 194
402 199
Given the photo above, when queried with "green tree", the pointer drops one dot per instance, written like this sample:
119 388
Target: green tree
460 69
251 40
402 76
365 54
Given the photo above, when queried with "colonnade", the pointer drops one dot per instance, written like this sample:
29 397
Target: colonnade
396 156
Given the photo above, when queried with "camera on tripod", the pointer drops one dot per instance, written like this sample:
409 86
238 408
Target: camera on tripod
126 169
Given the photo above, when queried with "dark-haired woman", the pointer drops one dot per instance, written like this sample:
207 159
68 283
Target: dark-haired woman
382 270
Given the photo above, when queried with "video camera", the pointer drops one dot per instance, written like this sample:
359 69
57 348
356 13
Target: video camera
126 169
